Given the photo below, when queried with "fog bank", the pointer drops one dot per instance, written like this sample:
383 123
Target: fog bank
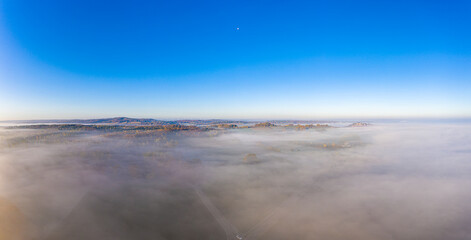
384 181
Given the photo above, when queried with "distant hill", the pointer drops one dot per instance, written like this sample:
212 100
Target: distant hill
116 120
125 120
130 121
217 123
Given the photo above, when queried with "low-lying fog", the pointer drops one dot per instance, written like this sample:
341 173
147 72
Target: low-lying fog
384 181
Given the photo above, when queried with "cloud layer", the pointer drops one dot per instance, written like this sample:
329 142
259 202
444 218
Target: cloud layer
385 181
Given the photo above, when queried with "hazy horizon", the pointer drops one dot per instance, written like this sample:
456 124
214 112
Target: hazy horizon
346 119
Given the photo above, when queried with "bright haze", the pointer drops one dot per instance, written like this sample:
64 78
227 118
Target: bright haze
234 59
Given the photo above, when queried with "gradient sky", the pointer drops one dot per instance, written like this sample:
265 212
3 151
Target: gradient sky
187 59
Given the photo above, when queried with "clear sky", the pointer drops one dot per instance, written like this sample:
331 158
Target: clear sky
234 59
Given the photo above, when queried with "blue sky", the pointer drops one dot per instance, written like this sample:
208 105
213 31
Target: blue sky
187 59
